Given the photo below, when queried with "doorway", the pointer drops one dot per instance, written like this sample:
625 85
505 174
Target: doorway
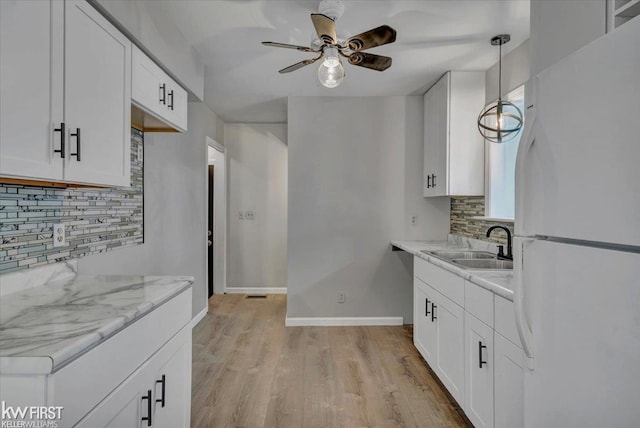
216 219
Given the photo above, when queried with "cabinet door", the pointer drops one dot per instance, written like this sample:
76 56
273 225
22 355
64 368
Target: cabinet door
148 84
479 364
436 136
509 384
31 69
173 391
97 98
449 324
177 106
423 324
125 407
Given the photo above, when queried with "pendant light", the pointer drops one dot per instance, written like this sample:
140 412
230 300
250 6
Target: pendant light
501 120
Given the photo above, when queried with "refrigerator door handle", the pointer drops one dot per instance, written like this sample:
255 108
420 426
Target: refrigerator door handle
527 140
524 330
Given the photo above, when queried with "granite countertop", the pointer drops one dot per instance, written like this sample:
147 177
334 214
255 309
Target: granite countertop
496 281
45 326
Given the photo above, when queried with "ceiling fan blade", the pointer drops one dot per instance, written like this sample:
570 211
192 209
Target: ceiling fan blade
372 61
299 65
325 27
288 46
372 38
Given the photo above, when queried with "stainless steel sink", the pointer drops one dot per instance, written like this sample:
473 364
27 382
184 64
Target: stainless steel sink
459 254
485 264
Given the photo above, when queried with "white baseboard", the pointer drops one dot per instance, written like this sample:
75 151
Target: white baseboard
256 290
342 321
199 317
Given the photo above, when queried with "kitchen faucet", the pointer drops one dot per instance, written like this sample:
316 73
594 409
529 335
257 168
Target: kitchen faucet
501 255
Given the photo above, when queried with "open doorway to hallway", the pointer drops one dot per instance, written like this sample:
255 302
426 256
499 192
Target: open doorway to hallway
217 219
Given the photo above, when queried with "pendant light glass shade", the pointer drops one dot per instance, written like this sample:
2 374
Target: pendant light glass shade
501 120
331 71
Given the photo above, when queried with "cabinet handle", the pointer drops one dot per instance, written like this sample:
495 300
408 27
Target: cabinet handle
163 94
62 132
426 307
428 182
163 382
171 102
433 312
148 417
77 135
480 348
433 180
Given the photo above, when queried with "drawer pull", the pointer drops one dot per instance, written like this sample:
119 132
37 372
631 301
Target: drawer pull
428 182
433 312
149 409
433 180
171 98
426 307
480 348
77 135
163 381
163 94
62 132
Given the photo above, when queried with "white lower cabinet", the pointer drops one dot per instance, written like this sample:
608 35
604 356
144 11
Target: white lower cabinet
449 322
157 394
479 366
424 331
439 336
509 383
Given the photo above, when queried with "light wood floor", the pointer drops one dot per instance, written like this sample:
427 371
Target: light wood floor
251 371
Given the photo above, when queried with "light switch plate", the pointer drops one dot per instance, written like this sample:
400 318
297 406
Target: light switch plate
249 215
59 236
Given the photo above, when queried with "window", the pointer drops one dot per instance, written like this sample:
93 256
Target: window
501 168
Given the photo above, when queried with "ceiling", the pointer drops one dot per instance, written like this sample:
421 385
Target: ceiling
242 83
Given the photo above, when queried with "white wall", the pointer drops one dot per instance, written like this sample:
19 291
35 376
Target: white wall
175 209
559 28
160 38
355 180
257 174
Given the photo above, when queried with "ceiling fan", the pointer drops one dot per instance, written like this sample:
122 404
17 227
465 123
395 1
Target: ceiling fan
331 47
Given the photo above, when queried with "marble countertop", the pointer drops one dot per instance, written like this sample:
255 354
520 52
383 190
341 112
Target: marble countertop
45 326
496 281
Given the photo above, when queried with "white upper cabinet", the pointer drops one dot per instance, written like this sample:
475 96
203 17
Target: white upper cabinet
31 73
66 94
162 103
453 147
97 98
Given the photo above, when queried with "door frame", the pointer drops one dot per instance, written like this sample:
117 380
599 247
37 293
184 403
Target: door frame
220 222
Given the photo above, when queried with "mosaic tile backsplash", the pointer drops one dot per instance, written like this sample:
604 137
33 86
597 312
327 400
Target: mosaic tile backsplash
463 209
96 220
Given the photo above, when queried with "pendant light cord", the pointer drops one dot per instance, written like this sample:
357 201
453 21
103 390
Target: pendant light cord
500 72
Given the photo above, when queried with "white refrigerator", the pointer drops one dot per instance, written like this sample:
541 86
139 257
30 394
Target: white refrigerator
577 245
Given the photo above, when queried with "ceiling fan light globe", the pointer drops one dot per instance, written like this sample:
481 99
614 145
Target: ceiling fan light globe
330 77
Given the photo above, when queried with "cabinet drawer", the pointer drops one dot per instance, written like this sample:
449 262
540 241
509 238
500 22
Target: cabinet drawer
108 364
447 283
505 320
478 302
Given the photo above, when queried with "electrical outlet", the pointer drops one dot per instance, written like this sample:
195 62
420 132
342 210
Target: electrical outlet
414 220
59 237
249 215
241 215
341 296
140 155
